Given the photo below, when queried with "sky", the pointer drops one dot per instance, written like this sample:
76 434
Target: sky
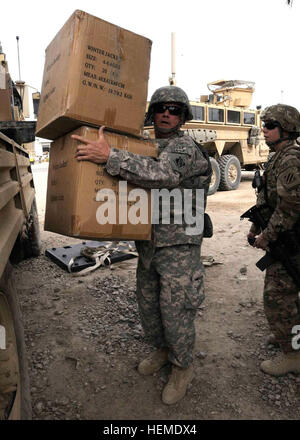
252 40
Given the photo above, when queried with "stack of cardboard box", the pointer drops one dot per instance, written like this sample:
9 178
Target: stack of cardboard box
95 74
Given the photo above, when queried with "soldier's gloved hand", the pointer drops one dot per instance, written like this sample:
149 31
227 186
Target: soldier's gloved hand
261 243
251 238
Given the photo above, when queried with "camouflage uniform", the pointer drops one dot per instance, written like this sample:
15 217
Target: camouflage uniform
280 204
169 273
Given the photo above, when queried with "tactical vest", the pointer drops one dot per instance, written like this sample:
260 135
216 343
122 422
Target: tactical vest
268 197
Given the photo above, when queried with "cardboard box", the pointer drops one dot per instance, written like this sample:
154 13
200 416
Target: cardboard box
74 186
95 73
6 93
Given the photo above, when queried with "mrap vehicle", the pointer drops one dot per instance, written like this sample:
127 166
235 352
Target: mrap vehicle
19 239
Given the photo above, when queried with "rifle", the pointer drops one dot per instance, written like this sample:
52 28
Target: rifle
279 250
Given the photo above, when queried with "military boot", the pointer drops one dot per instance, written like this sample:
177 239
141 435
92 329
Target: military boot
282 364
176 388
154 362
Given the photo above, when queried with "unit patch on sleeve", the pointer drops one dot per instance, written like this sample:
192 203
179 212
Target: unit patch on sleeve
290 178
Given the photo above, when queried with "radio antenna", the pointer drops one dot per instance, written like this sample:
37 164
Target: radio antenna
18 58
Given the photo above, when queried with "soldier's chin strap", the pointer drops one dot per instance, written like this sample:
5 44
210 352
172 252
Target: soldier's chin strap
273 144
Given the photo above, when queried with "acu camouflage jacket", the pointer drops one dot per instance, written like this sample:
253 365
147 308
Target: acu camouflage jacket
281 192
180 164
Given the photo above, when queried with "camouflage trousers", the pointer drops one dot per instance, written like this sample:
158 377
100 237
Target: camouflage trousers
281 304
169 291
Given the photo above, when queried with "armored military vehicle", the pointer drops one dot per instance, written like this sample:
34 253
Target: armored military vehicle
237 142
19 239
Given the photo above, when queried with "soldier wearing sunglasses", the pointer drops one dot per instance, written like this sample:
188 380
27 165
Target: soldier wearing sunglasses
279 203
169 273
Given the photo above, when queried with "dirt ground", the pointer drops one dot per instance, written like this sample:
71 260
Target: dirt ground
84 338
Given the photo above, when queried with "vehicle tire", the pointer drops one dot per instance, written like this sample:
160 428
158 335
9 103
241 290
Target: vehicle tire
33 241
28 243
231 173
215 177
15 401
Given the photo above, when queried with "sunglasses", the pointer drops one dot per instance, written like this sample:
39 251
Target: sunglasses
270 125
172 109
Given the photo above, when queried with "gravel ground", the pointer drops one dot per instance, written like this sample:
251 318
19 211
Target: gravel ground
84 337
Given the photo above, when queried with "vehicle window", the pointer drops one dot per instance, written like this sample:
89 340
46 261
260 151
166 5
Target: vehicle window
198 112
249 118
233 117
215 115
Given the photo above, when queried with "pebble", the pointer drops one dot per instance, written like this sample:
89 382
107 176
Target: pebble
39 406
201 355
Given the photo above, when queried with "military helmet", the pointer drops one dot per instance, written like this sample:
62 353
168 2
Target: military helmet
171 94
287 116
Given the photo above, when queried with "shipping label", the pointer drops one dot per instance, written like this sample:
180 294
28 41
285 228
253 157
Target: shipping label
102 71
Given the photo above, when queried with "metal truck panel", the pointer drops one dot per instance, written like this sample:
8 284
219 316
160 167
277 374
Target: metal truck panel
16 194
